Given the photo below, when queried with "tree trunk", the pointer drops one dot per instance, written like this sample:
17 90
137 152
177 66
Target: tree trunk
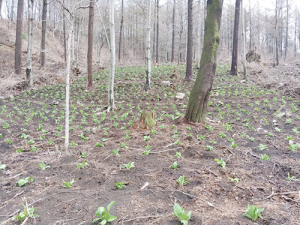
148 46
250 26
0 8
197 105
18 45
286 29
64 30
189 55
154 32
44 27
111 97
90 45
276 34
121 31
198 50
173 32
243 39
12 10
157 32
29 47
234 59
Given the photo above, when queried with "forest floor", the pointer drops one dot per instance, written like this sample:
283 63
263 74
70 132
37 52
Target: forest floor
253 128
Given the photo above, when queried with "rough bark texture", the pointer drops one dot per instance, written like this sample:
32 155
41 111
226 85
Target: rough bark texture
157 32
44 27
197 106
173 32
189 58
18 45
29 47
244 39
121 31
148 46
90 44
234 59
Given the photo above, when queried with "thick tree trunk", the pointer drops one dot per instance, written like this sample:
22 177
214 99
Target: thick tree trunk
234 59
173 32
197 105
90 44
44 27
121 31
189 55
29 47
157 32
18 45
148 46
111 97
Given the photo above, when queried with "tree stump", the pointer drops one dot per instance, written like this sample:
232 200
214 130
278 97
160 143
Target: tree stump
147 121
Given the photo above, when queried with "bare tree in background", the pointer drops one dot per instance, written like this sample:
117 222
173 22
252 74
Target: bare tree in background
286 29
189 58
90 44
198 56
0 8
18 45
44 27
243 39
157 31
148 46
234 59
173 32
111 78
29 47
121 30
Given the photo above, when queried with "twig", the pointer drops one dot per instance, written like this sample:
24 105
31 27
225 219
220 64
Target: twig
283 193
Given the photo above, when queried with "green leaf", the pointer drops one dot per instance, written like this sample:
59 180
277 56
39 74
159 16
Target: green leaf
111 218
110 205
99 211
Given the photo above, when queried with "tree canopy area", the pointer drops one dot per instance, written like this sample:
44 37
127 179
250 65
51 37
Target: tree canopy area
152 112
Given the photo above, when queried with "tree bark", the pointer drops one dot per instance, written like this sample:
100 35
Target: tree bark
121 31
111 97
286 29
90 44
234 59
189 57
157 32
154 32
0 8
198 50
250 26
243 39
29 47
173 32
64 31
197 105
44 27
148 46
18 45
276 34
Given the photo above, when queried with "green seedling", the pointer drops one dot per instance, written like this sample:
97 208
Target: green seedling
236 180
201 137
128 166
289 138
81 165
264 157
2 166
210 128
222 135
83 137
123 145
181 215
104 214
146 152
120 185
210 148
174 165
42 166
27 212
146 138
23 181
234 145
177 142
262 147
83 155
99 144
115 151
50 142
68 184
221 162
178 155
252 139
252 212
293 147
293 178
182 180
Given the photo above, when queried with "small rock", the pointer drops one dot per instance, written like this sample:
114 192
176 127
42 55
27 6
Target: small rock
243 81
261 130
94 130
180 95
291 142
166 83
280 114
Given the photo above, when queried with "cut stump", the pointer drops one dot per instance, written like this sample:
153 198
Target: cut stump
147 121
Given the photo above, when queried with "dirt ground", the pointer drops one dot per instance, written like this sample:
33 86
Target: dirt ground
243 124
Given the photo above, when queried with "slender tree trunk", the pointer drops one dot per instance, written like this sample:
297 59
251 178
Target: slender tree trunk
18 45
276 34
64 31
244 39
29 48
173 32
154 31
0 8
234 59
12 10
197 105
90 44
189 57
250 26
44 27
295 35
148 46
198 50
157 32
111 96
286 29
121 31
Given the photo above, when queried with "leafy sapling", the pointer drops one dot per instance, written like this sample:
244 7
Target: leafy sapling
178 155
81 165
181 215
26 213
104 214
174 165
115 151
236 180
221 162
253 212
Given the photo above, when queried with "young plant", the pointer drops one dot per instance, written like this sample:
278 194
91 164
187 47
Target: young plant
81 165
83 155
115 151
120 185
146 138
23 181
104 214
181 215
236 180
201 137
2 166
210 148
99 144
68 184
128 166
174 165
293 147
42 166
27 212
182 180
291 178
178 155
222 135
264 157
221 162
262 147
252 212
